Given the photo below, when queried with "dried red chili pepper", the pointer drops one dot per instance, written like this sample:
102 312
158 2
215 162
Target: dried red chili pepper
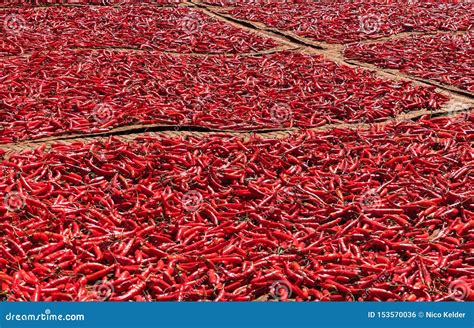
174 29
423 56
285 95
352 21
142 233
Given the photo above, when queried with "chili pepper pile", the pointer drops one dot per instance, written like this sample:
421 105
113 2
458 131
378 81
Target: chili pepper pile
380 214
445 58
236 93
350 21
34 3
142 27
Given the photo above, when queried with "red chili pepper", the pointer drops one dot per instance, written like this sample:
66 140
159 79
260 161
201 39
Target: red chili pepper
99 274
134 291
412 60
403 239
350 22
